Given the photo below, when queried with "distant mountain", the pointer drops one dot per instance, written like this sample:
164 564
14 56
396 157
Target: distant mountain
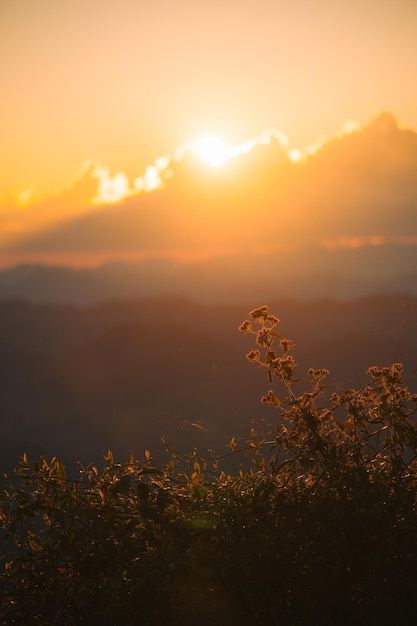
341 274
76 381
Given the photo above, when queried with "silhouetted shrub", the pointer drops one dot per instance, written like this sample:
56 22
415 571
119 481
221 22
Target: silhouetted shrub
316 525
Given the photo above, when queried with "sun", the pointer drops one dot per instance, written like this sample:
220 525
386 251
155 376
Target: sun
212 150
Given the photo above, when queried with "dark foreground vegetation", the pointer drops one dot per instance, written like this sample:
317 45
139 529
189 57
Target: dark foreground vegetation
317 523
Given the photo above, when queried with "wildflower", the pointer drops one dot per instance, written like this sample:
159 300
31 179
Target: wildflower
271 399
245 327
264 338
272 320
253 355
316 375
286 345
260 314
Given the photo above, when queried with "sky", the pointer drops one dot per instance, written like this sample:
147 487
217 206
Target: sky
122 83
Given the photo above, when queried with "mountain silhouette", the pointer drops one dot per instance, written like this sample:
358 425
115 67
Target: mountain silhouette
76 381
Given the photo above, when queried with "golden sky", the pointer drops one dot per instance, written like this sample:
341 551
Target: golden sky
124 82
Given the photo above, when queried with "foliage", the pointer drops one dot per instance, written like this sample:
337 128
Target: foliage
317 525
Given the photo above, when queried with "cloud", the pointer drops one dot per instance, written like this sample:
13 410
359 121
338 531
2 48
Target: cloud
154 176
358 191
110 188
356 242
195 147
94 184
294 154
371 240
113 189
300 154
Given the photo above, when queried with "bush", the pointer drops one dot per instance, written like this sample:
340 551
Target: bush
317 525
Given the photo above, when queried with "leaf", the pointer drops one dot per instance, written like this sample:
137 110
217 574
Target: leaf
157 482
197 468
60 470
147 455
271 399
151 470
109 457
34 546
232 444
275 400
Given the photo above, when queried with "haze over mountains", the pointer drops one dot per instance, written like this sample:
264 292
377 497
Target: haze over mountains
340 223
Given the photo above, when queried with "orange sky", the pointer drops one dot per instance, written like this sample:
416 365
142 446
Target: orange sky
126 82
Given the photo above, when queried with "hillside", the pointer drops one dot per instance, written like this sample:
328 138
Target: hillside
75 381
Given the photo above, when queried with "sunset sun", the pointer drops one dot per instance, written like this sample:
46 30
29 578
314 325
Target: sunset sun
212 151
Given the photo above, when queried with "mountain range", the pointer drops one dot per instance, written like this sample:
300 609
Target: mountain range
75 381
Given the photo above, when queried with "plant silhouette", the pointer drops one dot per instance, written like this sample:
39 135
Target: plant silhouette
316 523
